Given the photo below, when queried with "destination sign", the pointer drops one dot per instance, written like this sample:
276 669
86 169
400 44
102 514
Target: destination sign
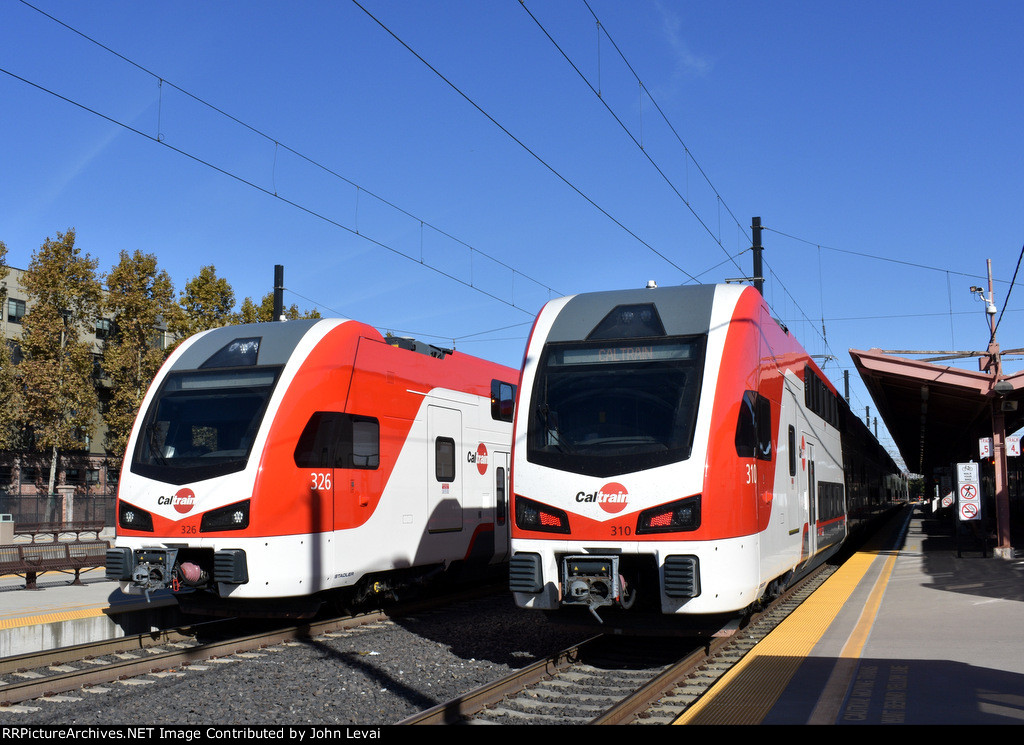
616 353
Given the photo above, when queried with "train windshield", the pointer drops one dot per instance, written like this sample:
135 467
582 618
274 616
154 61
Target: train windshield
202 424
617 406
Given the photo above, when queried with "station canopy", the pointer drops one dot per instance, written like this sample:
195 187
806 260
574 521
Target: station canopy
937 413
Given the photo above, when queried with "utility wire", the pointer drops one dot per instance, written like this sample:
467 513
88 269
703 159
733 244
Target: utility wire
277 144
596 90
519 142
861 254
625 129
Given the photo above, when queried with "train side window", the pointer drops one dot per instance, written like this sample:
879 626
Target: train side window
358 443
499 490
314 447
333 440
444 459
792 450
764 428
503 399
754 427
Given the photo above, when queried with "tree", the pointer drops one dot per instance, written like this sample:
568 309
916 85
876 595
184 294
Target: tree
206 303
10 389
139 300
264 312
57 370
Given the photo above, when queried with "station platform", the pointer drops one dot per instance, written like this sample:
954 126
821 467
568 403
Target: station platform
914 629
62 614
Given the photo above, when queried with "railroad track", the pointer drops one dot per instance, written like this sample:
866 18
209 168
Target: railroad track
36 675
615 679
53 672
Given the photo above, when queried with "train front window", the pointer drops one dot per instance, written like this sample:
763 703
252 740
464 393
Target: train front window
615 407
202 424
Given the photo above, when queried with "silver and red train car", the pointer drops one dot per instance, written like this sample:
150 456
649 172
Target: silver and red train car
677 452
271 464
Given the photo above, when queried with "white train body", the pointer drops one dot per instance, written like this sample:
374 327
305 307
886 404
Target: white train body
273 462
675 451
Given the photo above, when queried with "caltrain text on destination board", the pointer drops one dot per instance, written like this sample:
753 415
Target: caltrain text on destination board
625 354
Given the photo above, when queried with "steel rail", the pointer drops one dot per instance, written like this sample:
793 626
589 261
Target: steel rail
160 661
489 694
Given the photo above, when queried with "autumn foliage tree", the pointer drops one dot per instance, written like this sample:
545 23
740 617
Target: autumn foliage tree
57 370
49 401
206 303
140 297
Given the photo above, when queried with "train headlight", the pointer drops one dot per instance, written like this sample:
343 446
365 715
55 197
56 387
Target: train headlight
682 515
532 515
232 517
131 517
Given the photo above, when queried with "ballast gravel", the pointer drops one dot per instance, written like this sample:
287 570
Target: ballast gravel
374 675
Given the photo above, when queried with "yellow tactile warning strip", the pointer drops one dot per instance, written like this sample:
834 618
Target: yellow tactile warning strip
747 693
832 697
44 618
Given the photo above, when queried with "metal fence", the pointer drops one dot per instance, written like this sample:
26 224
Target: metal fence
58 507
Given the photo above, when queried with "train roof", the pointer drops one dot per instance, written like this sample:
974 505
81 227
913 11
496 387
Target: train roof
681 310
245 344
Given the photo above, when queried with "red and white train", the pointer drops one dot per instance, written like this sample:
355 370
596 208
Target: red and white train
676 451
273 463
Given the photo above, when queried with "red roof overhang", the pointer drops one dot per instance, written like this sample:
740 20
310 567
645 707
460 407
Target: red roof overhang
937 413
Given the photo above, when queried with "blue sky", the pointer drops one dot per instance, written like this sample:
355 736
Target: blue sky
441 169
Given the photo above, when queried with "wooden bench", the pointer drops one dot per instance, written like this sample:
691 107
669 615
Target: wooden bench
31 560
56 529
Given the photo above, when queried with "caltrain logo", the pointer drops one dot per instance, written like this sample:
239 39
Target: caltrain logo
611 497
183 501
479 457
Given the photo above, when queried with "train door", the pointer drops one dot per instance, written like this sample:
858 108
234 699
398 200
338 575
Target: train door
444 469
810 496
501 520
812 500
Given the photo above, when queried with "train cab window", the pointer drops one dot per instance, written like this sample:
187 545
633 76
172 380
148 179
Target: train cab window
335 440
754 428
202 423
444 459
601 408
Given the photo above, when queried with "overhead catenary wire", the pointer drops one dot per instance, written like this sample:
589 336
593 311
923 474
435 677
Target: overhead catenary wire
638 142
598 92
522 144
161 139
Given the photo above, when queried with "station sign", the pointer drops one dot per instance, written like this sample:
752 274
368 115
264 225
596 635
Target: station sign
968 491
985 447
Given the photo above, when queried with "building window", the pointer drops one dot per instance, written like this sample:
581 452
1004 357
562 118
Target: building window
103 328
15 310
